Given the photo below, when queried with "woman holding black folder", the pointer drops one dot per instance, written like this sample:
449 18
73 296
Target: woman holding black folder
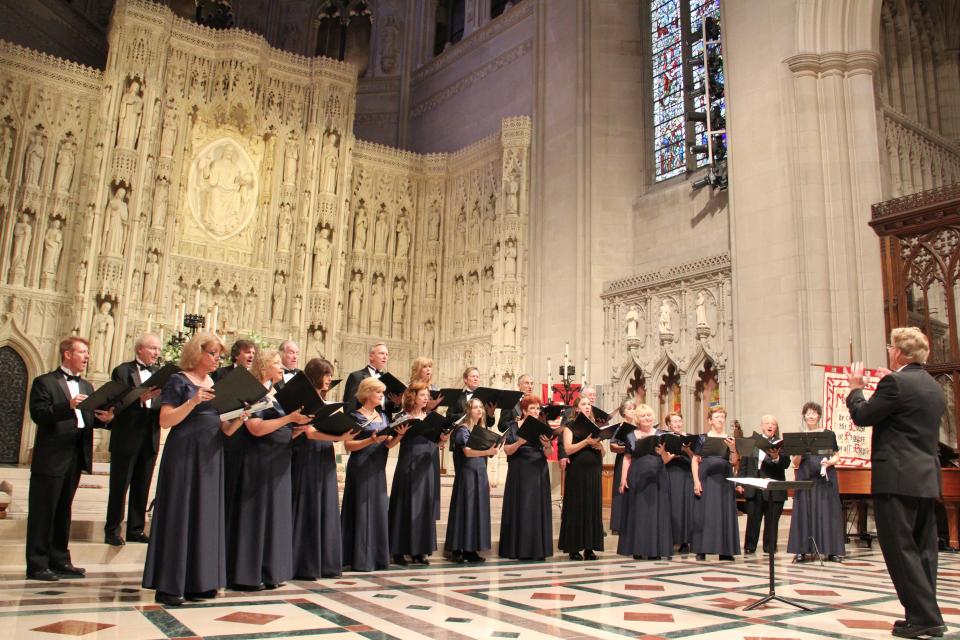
468 522
817 521
413 529
363 516
646 532
715 526
422 371
317 547
681 486
526 524
581 519
627 411
185 556
258 536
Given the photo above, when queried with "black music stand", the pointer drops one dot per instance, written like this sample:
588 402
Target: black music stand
775 485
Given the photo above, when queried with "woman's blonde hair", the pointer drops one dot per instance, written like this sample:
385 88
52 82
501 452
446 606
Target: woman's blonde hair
195 346
469 406
368 387
419 365
912 343
262 359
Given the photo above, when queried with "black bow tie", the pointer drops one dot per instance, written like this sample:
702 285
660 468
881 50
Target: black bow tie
292 372
143 367
69 377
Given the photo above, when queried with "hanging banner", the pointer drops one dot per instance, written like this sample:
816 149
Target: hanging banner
854 440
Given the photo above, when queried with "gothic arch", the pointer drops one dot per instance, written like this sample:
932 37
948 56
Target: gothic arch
11 336
626 374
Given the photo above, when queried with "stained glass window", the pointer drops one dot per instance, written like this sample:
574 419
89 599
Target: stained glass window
667 20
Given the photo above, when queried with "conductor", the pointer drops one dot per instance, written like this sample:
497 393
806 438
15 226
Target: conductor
905 411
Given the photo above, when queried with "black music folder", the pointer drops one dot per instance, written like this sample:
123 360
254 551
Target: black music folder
235 390
156 381
532 429
646 446
392 383
111 394
582 428
600 416
431 427
713 446
336 424
504 399
450 397
482 438
674 443
764 444
819 443
553 411
298 393
747 447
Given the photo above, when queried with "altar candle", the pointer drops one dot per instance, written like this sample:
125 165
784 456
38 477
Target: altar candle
149 322
161 335
216 316
183 311
196 302
585 371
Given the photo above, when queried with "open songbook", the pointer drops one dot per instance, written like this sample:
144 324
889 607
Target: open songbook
266 403
760 483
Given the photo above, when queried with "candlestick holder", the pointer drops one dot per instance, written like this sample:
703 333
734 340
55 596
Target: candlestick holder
566 386
194 321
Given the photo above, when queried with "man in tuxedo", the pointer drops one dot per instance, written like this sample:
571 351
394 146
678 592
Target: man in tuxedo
905 411
62 450
760 505
376 365
525 386
134 442
289 358
471 380
241 355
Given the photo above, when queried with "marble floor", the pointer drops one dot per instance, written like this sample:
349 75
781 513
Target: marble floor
613 597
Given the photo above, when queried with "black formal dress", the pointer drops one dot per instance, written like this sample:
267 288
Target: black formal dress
817 512
62 450
134 443
260 531
468 521
581 519
715 526
905 411
317 547
645 526
681 499
413 527
526 524
187 546
762 506
616 502
364 521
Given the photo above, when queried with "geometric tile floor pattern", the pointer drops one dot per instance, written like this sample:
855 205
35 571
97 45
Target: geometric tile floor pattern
610 598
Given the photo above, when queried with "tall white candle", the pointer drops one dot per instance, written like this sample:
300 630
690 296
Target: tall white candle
183 312
584 371
196 302
216 317
161 335
149 323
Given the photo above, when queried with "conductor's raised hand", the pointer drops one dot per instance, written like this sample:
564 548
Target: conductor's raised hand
855 376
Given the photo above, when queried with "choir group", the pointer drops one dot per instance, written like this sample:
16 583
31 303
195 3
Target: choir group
250 500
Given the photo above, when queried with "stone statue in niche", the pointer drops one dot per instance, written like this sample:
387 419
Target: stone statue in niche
131 113
510 259
428 337
285 228
115 224
81 281
322 259
509 326
22 235
66 160
473 300
489 217
356 301
664 321
297 309
33 163
431 280
476 226
512 188
161 195
89 219
101 338
633 321
315 340
329 159
360 229
389 48
701 309
487 318
495 321
433 222
6 146
279 298
458 308
291 158
461 239
270 148
224 189
250 309
168 137
399 306
151 272
377 300
52 245
403 238
487 285
381 231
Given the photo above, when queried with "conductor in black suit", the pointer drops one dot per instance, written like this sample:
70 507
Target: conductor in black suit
763 505
376 365
62 450
905 411
134 442
241 355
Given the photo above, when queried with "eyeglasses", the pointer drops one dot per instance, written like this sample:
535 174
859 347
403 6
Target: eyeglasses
213 354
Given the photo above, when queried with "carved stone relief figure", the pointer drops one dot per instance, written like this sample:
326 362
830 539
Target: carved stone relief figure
297 309
513 201
81 281
315 340
224 189
458 308
473 300
168 137
52 245
377 300
6 146
476 227
509 326
360 229
279 298
115 224
33 163
489 218
66 160
433 222
389 47
322 259
356 301
22 235
101 338
161 197
151 272
329 159
250 309
510 259
431 280
399 306
403 238
633 321
291 157
701 309
131 113
428 337
285 228
381 237
487 285
664 321
461 239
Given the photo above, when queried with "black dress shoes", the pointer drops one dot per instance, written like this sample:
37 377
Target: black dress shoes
918 631
45 575
400 560
168 599
473 557
69 571
749 551
576 556
684 548
797 559
457 556
114 540
201 595
138 537
701 556
420 559
726 558
248 587
589 555
835 558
